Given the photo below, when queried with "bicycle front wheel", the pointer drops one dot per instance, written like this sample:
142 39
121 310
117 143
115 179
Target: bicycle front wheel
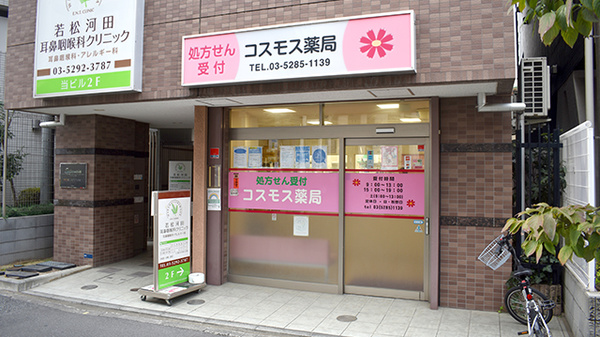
517 306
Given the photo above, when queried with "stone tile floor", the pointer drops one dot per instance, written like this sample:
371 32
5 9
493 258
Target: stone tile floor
279 310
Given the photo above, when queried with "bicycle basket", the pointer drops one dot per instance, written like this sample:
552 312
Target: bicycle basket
494 255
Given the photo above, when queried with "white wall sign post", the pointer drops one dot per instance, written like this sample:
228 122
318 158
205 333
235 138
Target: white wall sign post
180 175
88 47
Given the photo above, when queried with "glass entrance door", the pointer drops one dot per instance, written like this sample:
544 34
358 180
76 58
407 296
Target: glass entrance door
385 217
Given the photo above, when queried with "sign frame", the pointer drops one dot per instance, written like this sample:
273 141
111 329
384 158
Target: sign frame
80 182
302 67
74 56
180 175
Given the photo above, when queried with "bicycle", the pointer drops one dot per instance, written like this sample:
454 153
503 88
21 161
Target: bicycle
524 303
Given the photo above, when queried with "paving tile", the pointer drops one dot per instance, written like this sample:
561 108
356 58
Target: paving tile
207 310
331 326
361 327
376 334
391 318
309 318
302 326
283 314
276 322
483 317
370 317
421 332
450 315
455 327
484 330
249 320
393 329
425 320
356 334
304 312
377 305
445 333
318 311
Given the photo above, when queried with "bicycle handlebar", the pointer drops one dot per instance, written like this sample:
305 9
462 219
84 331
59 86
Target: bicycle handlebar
505 241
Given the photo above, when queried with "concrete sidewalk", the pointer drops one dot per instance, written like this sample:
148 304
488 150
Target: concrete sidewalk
278 310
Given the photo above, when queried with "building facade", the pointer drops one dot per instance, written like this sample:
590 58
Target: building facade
382 179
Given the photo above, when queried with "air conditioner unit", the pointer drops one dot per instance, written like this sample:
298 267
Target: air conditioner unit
535 86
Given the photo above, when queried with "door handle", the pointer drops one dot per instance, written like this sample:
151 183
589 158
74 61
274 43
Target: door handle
426 226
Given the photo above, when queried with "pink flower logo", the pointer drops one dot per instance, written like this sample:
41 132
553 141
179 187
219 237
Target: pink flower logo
356 182
376 43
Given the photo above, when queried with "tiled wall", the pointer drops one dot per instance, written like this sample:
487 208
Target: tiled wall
476 199
465 282
103 220
455 42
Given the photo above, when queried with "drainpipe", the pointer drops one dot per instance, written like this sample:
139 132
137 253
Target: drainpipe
589 115
589 79
4 154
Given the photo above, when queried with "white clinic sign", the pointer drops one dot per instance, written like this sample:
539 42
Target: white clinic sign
88 47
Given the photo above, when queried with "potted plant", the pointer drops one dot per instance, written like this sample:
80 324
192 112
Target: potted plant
544 227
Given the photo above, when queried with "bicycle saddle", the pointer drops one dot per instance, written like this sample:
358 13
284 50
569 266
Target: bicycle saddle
522 272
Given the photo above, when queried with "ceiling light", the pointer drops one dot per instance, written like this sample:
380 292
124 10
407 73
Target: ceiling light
410 120
316 122
279 110
389 106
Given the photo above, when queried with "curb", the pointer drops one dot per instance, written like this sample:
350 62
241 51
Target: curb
216 323
32 282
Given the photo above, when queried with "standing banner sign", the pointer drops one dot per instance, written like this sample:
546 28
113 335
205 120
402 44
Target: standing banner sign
172 219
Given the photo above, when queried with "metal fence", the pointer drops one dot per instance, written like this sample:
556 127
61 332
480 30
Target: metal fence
578 155
539 174
26 164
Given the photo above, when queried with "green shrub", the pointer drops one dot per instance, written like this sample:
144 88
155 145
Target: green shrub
29 196
12 212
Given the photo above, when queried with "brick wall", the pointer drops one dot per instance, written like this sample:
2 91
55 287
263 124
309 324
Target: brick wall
466 283
475 201
102 220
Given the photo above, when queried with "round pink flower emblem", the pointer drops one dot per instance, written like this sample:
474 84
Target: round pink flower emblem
377 43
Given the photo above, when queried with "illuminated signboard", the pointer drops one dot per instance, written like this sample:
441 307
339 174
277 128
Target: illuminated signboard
361 45
88 47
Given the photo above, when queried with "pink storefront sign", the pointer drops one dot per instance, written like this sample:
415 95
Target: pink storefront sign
284 191
383 43
385 193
